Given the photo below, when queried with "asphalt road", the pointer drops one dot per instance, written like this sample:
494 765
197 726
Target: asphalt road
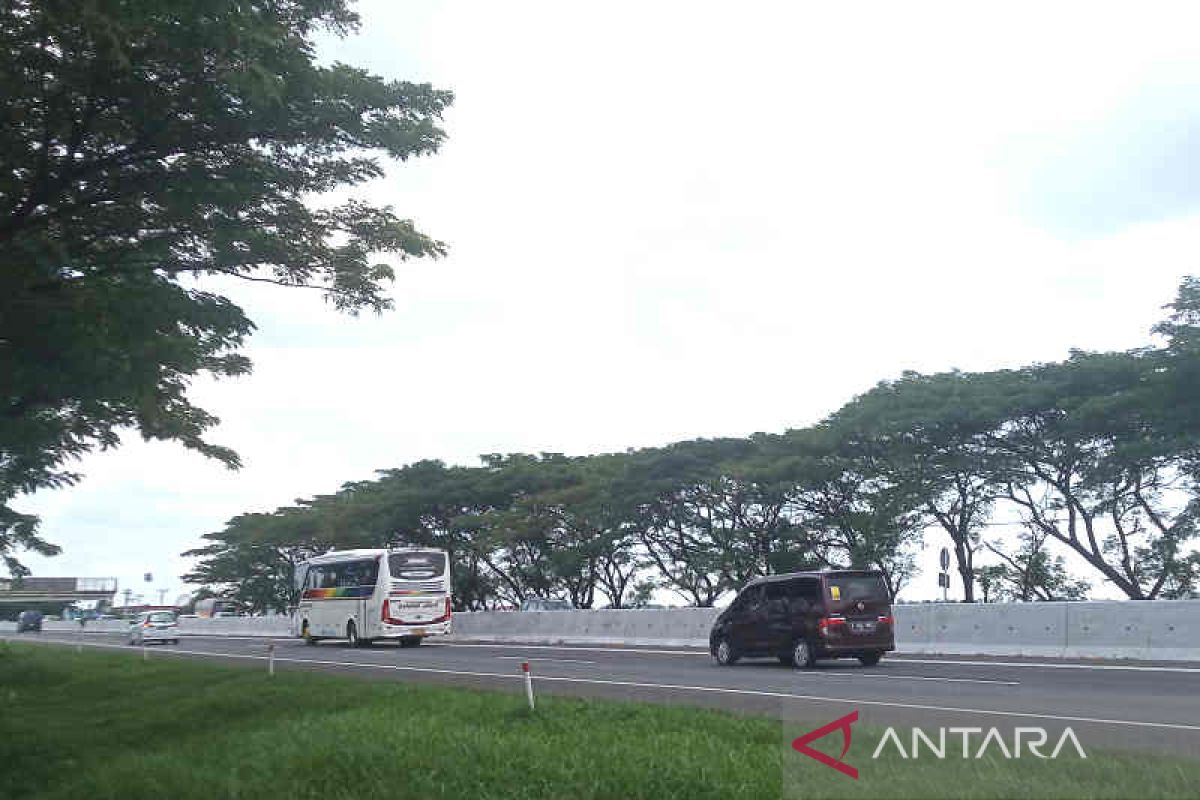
1107 705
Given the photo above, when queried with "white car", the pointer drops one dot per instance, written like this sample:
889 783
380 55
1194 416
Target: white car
154 626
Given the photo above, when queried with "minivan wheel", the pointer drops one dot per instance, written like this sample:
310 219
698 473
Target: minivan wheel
870 659
351 634
802 655
725 654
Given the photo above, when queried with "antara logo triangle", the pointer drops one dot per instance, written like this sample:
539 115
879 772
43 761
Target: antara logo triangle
800 744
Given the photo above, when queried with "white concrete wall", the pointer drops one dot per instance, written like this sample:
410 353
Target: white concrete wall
1167 630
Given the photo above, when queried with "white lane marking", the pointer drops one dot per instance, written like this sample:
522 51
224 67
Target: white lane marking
899 658
220 636
1044 665
676 687
617 651
884 676
540 660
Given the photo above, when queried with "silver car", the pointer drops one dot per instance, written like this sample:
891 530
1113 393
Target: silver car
542 604
154 626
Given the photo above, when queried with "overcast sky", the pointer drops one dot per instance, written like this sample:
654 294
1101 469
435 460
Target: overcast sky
670 221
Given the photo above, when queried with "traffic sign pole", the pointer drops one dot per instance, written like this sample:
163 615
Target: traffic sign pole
944 575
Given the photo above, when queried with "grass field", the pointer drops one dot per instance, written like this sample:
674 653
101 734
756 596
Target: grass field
108 725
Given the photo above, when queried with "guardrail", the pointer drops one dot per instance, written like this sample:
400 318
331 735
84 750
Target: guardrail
1167 630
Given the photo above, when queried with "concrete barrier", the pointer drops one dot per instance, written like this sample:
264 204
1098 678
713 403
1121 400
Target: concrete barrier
236 626
1167 630
677 627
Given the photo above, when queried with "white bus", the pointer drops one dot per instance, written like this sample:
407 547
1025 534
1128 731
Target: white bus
362 595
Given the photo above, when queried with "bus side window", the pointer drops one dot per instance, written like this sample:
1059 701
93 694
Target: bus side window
347 574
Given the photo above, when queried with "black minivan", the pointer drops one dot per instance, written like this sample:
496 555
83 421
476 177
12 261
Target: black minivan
802 616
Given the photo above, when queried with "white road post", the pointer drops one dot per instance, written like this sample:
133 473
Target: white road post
528 683
271 658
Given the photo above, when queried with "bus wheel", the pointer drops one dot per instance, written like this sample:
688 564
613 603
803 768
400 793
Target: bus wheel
410 641
351 634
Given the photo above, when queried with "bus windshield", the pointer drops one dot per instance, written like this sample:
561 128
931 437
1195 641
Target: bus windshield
416 565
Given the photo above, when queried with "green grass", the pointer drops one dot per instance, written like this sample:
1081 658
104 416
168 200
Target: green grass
105 724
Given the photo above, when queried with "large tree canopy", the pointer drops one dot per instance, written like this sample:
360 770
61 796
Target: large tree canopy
146 144
1093 457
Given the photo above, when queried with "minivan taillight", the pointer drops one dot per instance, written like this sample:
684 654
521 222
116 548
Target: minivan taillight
887 619
824 624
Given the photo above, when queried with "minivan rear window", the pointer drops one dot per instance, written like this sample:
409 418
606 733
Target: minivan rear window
851 588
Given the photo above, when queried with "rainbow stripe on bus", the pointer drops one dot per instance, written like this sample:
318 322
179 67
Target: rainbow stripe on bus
339 593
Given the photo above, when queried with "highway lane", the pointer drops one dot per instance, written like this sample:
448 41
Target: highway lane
1140 706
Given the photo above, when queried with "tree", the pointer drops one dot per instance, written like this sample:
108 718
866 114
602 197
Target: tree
151 146
924 432
254 559
1031 573
1089 468
684 519
840 511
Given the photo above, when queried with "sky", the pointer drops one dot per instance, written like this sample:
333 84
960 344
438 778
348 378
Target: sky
677 220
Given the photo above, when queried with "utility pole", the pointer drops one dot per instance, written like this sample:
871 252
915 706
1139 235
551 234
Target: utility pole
162 594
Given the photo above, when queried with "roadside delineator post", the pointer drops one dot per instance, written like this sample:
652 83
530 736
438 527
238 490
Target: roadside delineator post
528 683
271 658
144 656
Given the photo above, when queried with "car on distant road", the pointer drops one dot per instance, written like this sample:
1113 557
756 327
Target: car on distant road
542 604
29 620
154 626
800 617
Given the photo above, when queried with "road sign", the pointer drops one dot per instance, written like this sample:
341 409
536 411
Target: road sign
943 580
147 577
944 559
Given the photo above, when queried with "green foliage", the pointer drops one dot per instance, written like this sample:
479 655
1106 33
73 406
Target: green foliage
925 435
147 145
1031 573
1083 451
107 725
